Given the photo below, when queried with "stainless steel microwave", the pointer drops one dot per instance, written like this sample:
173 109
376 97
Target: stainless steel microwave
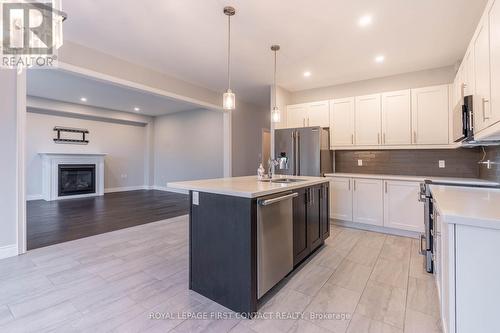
463 121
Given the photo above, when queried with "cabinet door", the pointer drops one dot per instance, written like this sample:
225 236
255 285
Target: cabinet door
314 236
396 118
368 120
430 115
300 246
342 122
325 211
319 114
495 61
468 74
482 106
402 208
368 201
341 199
296 115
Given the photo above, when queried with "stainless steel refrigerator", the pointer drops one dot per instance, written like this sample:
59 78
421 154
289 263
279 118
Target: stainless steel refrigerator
303 151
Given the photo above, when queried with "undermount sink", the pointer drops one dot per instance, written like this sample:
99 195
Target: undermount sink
285 180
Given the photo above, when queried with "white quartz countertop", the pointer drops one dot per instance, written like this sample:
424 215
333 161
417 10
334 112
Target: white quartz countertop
478 207
246 187
449 180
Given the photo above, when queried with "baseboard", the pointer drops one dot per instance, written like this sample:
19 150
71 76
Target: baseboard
168 189
375 228
8 251
33 197
125 189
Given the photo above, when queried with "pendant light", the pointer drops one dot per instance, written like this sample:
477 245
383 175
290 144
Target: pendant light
229 99
275 113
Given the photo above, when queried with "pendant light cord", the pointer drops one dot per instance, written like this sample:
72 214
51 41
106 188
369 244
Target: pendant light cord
275 65
229 53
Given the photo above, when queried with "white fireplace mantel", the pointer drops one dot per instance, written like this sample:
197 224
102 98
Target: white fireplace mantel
50 167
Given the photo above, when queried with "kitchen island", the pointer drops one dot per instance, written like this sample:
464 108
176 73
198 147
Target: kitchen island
246 235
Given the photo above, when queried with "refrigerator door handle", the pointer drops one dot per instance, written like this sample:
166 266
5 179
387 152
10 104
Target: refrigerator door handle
297 144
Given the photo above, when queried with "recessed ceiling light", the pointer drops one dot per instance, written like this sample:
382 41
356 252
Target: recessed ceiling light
379 59
365 20
136 109
307 74
83 99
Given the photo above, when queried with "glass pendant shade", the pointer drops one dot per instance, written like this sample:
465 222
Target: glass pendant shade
229 100
276 115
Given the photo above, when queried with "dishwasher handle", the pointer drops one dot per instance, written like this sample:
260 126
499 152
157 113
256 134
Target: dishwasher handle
278 199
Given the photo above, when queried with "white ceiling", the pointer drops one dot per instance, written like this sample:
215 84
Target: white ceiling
68 87
187 38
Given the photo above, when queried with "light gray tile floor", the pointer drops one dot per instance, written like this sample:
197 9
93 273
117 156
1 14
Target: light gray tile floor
114 282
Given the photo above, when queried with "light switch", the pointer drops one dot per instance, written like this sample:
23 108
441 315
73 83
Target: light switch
442 164
196 198
360 162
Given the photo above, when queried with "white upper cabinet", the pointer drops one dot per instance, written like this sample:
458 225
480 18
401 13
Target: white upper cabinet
296 115
468 86
402 208
494 16
308 115
342 122
368 201
430 115
396 118
368 120
318 114
482 105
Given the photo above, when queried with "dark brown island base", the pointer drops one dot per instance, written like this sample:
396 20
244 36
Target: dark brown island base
246 235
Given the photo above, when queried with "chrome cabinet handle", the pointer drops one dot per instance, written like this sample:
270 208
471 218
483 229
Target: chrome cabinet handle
414 136
354 183
385 187
349 184
352 139
378 138
422 250
383 139
303 122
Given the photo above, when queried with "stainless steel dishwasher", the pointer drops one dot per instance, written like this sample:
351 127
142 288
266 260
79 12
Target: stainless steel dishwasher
274 240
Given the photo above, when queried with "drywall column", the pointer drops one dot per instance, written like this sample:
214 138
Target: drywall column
9 167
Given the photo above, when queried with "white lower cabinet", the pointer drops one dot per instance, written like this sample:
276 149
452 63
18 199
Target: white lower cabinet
466 272
341 199
385 203
402 209
367 201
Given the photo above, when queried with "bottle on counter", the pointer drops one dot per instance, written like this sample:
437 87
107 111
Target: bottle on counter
261 172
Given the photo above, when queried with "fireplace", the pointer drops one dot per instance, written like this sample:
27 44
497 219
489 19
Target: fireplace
76 179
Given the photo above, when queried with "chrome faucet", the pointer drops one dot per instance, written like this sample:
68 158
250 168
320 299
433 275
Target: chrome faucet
271 163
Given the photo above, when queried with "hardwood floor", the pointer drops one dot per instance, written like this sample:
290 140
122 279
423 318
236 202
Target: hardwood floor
136 280
55 222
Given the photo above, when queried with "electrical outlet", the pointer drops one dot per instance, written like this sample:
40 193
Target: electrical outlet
360 162
442 164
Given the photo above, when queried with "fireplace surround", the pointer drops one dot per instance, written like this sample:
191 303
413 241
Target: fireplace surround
72 175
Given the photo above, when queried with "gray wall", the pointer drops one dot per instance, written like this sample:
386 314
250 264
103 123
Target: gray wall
247 124
459 162
188 145
125 145
8 167
430 77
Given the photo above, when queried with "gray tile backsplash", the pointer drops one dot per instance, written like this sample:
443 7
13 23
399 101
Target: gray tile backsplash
460 162
492 154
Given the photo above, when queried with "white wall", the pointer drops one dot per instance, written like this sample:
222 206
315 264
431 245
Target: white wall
8 167
247 124
125 145
187 146
419 79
